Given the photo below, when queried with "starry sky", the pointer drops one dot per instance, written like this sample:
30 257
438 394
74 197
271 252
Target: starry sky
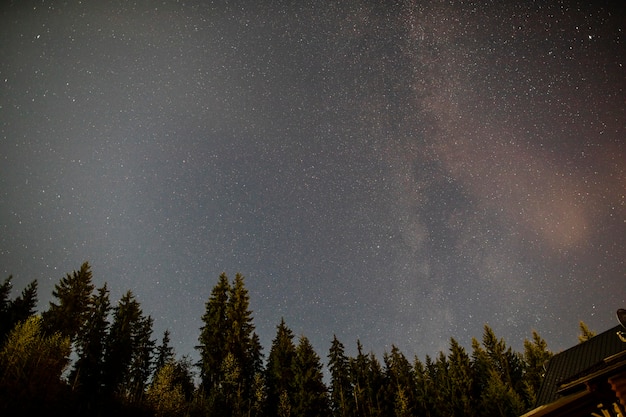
396 172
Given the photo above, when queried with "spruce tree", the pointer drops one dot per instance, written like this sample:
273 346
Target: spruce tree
24 305
401 389
87 375
73 293
5 306
585 332
536 354
310 397
279 372
242 343
120 344
164 352
461 380
140 367
213 336
341 393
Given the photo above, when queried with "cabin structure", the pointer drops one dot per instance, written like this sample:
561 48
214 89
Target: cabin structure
588 379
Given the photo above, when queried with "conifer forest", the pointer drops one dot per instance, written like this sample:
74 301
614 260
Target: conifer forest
88 355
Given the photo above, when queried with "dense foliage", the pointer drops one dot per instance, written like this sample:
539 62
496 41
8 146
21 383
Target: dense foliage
85 356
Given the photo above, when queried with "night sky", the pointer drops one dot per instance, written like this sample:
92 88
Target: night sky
395 172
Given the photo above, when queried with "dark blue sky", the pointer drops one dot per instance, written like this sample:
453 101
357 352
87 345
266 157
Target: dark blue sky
398 174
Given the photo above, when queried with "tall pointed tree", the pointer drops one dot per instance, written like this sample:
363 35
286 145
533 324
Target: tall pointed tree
213 336
87 375
120 343
140 367
164 352
5 308
461 382
341 393
24 305
73 294
536 354
279 372
241 341
310 397
401 388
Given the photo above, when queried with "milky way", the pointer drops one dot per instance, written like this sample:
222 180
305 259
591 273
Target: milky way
398 174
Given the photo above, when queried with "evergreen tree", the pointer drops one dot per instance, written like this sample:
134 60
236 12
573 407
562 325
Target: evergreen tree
87 375
242 342
310 398
230 351
422 389
120 344
378 402
73 293
401 389
213 336
341 393
279 372
5 308
536 355
140 367
585 332
368 383
496 370
440 375
18 310
5 292
499 399
461 380
24 305
164 352
359 380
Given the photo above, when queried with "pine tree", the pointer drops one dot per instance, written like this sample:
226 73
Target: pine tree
73 293
164 352
5 292
18 310
368 381
5 308
242 342
401 389
24 305
310 397
213 336
585 332
341 393
536 355
497 377
359 367
120 344
422 389
87 375
461 380
279 372
140 367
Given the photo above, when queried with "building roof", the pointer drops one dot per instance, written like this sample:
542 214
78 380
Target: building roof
573 364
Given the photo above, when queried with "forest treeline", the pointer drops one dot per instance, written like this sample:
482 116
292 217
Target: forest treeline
87 356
